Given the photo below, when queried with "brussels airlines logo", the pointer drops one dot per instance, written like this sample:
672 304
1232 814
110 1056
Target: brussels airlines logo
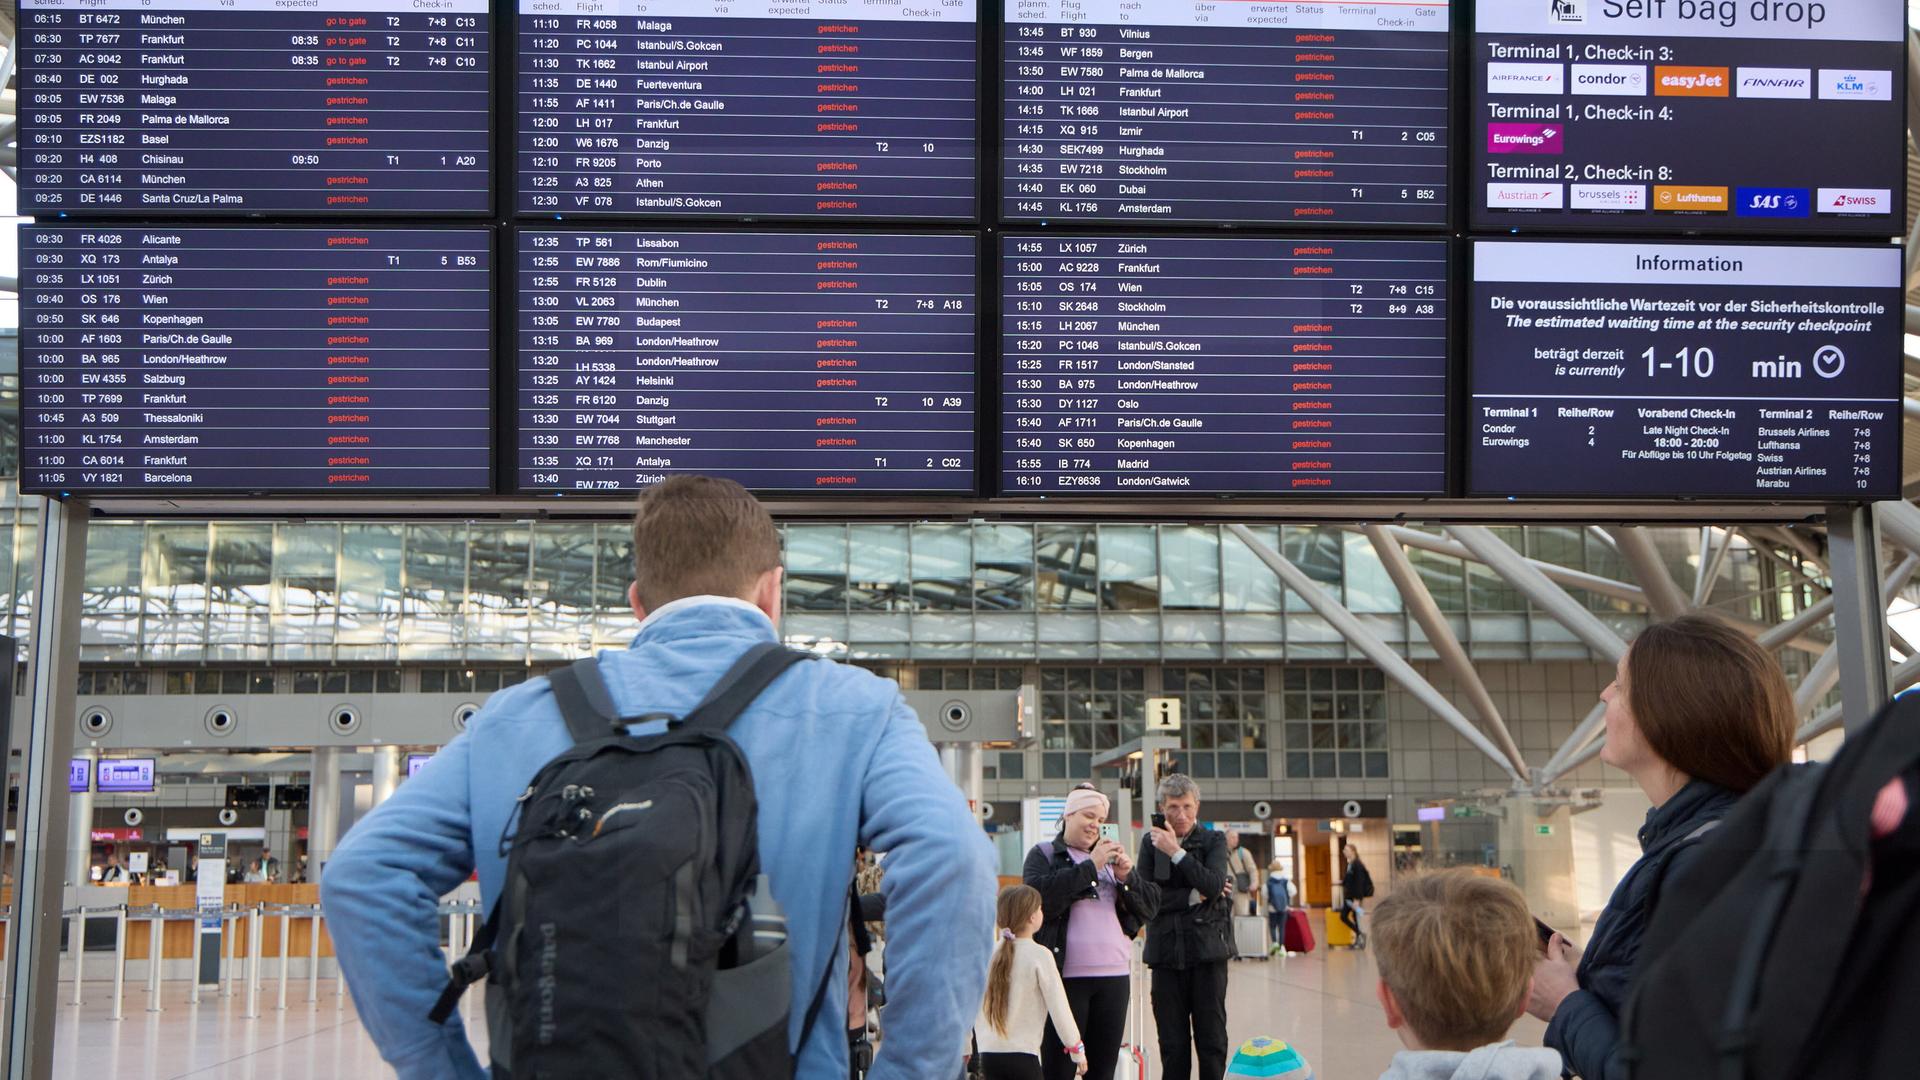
1524 139
1773 202
1566 11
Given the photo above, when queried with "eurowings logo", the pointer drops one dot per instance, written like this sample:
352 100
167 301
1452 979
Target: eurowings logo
1524 139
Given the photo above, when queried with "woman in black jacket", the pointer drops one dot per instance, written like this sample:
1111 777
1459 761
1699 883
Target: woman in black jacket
1698 714
1093 904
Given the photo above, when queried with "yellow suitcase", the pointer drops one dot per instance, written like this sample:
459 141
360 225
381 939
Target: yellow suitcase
1338 936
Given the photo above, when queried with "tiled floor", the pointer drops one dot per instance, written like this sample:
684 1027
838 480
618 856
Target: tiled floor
1323 1003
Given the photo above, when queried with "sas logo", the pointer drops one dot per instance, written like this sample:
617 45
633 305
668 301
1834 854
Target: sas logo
1855 201
1846 85
1566 11
1690 82
1773 202
1524 139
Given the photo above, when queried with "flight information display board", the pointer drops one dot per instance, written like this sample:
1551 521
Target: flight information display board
1203 365
1649 370
174 107
1181 111
1753 116
789 362
210 360
725 108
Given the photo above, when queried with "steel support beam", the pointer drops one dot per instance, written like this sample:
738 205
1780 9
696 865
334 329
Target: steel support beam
1664 597
1390 662
1796 577
1571 578
1859 612
1440 635
1533 584
1710 564
1567 757
1904 676
1900 523
33 961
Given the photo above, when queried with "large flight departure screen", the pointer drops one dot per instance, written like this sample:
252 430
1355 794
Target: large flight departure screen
1156 365
238 360
1181 111
1766 116
786 361
749 108
1648 370
168 107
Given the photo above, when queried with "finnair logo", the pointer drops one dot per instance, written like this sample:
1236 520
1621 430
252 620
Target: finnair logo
1796 83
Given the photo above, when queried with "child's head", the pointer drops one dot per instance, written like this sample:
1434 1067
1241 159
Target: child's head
1456 953
1019 916
1019 910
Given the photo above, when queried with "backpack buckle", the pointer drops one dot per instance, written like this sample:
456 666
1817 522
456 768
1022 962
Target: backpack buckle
470 969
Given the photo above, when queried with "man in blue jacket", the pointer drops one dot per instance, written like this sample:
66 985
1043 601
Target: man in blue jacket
838 759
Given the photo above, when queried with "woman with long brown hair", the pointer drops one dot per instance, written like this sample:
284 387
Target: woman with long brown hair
1698 714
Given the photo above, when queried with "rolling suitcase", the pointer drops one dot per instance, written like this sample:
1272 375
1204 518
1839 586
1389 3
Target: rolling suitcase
1249 937
1337 933
1298 936
1133 1053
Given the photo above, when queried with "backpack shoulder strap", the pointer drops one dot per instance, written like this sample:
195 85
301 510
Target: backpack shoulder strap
584 702
743 682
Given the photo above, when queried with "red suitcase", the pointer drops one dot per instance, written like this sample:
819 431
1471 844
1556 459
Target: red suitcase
1298 936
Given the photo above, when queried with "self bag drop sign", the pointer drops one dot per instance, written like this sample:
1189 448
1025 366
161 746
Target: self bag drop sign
1797 20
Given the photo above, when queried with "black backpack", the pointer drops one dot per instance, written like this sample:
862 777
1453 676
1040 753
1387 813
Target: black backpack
634 935
1777 954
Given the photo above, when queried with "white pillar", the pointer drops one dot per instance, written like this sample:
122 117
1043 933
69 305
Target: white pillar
323 809
386 772
80 825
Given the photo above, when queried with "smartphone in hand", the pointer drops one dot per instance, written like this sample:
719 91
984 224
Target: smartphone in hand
1110 831
1546 934
1159 821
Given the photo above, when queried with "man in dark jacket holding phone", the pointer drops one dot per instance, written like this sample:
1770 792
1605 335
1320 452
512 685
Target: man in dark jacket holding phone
1190 939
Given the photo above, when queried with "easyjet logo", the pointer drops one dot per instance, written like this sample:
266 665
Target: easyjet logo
1690 82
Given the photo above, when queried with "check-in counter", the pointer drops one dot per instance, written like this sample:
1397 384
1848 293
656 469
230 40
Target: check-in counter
176 937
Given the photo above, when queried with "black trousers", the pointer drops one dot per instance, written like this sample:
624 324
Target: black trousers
1010 1066
1190 1011
1100 1008
1351 918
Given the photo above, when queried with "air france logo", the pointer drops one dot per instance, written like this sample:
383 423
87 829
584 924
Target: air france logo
1566 11
1505 78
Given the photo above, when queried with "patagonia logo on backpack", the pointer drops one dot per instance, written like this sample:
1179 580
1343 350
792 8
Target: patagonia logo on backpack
634 935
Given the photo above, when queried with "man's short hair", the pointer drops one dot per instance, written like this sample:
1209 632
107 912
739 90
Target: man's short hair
1458 951
700 536
1176 786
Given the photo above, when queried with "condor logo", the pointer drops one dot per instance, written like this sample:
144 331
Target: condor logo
1690 82
1776 83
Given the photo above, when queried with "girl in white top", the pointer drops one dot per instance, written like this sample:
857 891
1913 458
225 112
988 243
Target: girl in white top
1023 991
